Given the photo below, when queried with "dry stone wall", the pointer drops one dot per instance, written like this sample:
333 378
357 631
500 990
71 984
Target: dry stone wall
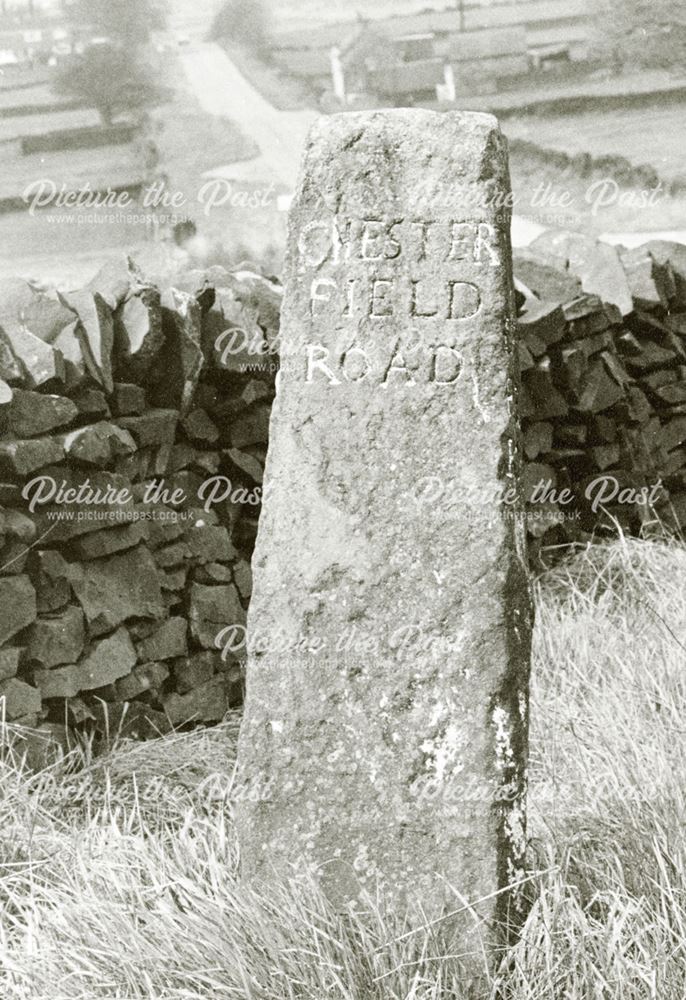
158 402
602 345
133 433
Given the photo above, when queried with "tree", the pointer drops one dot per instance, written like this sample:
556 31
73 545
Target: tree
242 21
127 21
110 78
648 33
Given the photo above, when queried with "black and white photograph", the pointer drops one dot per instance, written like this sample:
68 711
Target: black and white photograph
342 500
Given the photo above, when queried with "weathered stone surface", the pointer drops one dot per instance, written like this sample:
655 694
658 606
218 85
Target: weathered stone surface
115 280
107 661
119 587
153 427
9 663
389 650
23 306
110 540
144 677
170 556
211 610
541 398
583 305
98 444
673 255
138 332
25 456
92 403
171 600
193 671
46 317
207 703
167 642
209 544
600 391
96 333
181 456
206 461
232 337
175 579
13 557
242 576
181 357
16 297
53 641
213 573
199 427
188 484
160 458
643 275
68 343
49 573
18 603
197 517
19 526
34 413
127 399
40 362
538 439
246 463
544 320
259 293
6 393
137 467
163 530
553 284
20 699
594 263
61 682
254 391
252 427
10 368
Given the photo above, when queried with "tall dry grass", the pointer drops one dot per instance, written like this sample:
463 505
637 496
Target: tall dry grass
118 873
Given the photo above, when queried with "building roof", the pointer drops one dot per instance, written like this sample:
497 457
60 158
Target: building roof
430 22
304 63
556 34
407 78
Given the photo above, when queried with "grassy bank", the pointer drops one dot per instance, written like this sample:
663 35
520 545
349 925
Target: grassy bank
118 880
559 198
283 91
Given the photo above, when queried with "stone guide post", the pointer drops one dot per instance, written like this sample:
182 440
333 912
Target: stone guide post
385 730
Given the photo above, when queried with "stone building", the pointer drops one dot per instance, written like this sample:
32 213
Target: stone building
434 55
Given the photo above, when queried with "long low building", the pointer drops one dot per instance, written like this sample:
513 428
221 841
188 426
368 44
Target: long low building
410 81
434 53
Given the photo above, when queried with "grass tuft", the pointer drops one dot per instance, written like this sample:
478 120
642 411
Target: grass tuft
118 873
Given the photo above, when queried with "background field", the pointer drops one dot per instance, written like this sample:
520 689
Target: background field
652 135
